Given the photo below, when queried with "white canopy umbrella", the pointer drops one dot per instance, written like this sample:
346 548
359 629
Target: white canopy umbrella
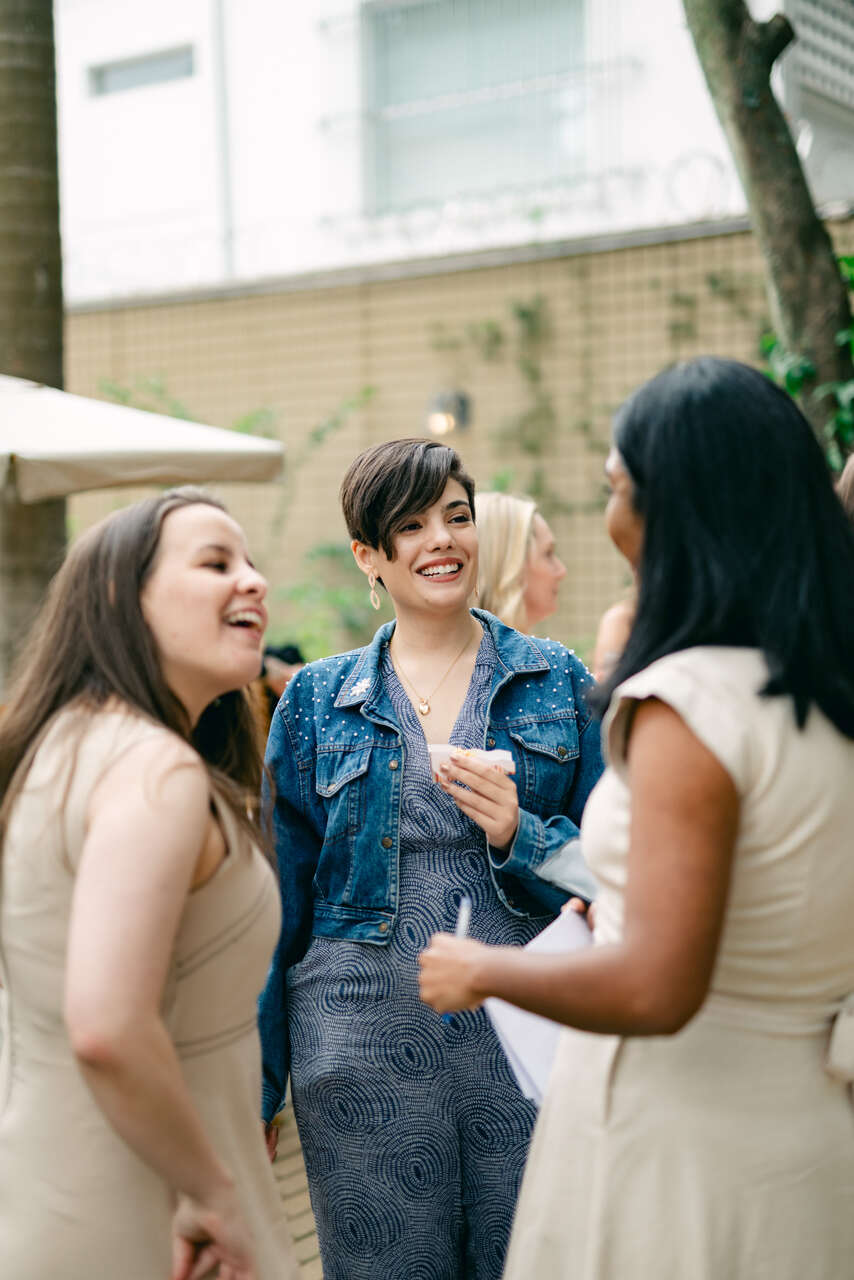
53 444
62 444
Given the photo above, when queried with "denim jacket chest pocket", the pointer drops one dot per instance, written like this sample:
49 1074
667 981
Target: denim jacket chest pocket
340 781
548 751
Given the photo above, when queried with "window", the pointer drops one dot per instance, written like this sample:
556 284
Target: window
824 52
465 98
134 73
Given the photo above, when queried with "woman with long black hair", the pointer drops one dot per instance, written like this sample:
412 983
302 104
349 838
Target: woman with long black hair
698 1122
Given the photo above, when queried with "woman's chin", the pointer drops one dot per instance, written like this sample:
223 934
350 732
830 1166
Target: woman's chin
445 597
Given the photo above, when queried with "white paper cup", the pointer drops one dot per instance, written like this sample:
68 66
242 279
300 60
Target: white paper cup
440 753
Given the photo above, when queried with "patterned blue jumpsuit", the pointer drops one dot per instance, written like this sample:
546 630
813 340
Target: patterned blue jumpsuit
413 1129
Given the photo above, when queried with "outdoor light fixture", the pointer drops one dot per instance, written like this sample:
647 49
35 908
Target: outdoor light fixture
448 411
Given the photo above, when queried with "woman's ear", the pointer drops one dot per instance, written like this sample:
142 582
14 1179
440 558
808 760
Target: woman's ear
364 556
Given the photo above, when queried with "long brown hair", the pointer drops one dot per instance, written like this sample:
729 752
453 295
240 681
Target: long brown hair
91 643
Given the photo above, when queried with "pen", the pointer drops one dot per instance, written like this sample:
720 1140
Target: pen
463 917
460 930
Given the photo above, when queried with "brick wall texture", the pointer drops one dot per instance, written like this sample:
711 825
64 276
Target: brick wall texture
607 321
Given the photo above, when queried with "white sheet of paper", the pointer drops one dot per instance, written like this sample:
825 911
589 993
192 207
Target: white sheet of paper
530 1041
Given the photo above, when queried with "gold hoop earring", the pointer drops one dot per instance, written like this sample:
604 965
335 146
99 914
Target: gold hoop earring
376 603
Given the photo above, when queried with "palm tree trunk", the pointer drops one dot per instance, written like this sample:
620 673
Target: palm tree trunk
32 536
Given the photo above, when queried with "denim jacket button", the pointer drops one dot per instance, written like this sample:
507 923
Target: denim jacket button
490 742
386 842
383 926
392 764
561 752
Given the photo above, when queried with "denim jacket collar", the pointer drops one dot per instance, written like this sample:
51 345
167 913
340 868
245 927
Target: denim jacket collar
516 652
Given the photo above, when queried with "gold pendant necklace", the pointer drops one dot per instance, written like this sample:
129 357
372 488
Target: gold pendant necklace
424 702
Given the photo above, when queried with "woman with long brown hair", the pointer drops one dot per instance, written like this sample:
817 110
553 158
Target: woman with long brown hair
137 913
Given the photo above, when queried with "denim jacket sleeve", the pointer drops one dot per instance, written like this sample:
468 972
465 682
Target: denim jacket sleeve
545 854
298 837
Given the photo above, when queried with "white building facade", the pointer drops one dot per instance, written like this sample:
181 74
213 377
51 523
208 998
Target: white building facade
208 144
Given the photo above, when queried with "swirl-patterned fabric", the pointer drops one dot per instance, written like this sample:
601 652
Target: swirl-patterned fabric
413 1129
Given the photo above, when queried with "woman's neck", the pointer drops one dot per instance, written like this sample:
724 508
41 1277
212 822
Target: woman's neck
432 634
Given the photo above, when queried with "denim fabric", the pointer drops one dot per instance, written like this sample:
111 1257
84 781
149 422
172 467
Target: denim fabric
335 753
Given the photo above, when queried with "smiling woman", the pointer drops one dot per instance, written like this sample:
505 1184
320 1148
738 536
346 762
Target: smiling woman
374 855
137 912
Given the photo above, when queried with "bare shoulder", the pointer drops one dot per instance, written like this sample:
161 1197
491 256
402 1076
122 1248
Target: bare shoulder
616 622
621 612
614 628
665 754
153 766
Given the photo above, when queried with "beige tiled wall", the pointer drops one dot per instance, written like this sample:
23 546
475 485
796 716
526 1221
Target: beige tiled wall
614 318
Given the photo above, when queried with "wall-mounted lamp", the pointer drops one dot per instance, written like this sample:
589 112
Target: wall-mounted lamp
448 411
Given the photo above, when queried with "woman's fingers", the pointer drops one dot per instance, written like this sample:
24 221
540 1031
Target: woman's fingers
469 801
183 1254
206 1260
499 822
483 778
586 909
489 797
271 1139
445 977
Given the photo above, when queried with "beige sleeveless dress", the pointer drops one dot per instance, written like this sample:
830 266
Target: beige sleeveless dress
76 1203
726 1151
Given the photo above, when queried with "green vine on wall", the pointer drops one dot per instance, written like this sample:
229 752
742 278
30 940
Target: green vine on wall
534 428
796 373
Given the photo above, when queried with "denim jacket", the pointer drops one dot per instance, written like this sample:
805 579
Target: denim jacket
336 757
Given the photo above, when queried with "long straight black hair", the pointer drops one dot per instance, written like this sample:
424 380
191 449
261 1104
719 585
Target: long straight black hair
745 541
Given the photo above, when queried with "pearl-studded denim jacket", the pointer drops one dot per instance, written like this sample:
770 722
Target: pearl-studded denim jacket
336 758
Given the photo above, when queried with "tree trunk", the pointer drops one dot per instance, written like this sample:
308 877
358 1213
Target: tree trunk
808 298
32 540
32 536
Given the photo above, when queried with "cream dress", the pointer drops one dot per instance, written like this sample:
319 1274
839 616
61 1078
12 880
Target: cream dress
725 1152
76 1203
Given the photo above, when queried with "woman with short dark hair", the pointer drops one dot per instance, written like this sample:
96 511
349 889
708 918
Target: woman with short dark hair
413 1129
698 1119
137 913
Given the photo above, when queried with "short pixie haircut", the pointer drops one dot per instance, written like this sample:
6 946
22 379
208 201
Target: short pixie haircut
391 481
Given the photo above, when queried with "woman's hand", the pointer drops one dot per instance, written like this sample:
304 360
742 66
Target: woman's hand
491 800
582 908
209 1237
449 969
271 1139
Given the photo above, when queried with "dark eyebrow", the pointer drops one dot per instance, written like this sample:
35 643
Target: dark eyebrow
458 502
219 547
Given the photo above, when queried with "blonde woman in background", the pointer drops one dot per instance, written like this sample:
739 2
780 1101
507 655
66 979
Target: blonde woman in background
519 572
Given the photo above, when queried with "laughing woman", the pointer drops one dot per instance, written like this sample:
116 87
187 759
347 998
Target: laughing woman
413 1129
137 914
